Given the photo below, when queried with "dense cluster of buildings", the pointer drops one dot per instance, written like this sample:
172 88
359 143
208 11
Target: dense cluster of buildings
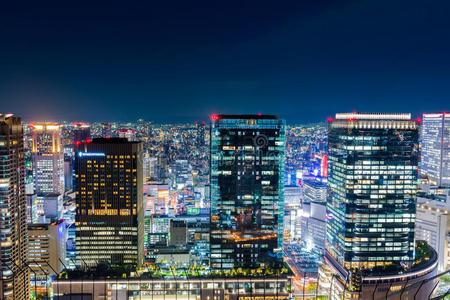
245 207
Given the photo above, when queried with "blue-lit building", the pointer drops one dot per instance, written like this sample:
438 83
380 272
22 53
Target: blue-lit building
247 197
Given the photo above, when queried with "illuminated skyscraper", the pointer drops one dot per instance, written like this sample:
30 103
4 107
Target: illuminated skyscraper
247 197
13 219
48 159
372 177
435 153
109 216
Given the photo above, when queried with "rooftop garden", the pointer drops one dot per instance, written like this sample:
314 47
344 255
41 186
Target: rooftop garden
103 271
425 255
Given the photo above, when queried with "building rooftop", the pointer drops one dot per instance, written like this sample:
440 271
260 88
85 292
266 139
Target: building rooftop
3 117
43 226
373 116
103 271
315 183
52 195
244 117
115 140
436 115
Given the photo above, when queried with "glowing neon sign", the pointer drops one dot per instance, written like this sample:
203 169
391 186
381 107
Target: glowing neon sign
83 154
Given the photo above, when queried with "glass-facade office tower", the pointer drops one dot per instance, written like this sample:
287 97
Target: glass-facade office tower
372 177
14 280
48 159
247 199
435 152
109 215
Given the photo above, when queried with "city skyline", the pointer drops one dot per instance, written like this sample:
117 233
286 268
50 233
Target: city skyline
206 119
337 203
237 150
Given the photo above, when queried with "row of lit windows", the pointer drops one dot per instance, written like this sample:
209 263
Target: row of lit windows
384 187
79 227
103 242
379 249
374 165
120 156
119 251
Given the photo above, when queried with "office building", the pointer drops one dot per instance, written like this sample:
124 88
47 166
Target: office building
314 191
48 159
46 248
372 176
13 211
109 215
433 223
435 152
314 215
247 197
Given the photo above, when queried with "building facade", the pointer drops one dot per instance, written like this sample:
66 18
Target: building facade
247 199
109 215
48 159
433 223
435 152
13 215
372 177
178 288
46 248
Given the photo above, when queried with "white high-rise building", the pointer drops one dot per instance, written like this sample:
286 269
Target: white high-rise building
435 153
433 222
313 230
48 159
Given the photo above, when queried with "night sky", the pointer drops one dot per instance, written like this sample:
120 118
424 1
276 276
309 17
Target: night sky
177 61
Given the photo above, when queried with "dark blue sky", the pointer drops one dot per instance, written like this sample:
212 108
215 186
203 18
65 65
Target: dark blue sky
183 60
